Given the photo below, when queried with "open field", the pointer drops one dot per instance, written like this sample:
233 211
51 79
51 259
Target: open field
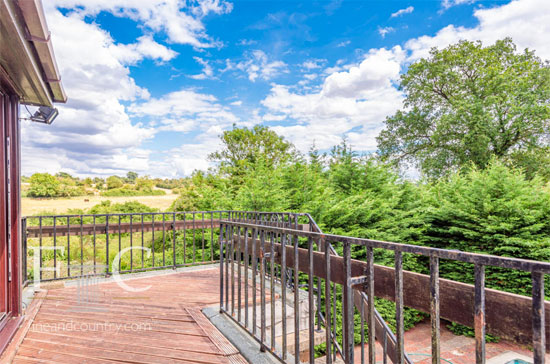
32 206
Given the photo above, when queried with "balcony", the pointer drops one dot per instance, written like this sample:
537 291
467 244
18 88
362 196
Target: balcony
140 288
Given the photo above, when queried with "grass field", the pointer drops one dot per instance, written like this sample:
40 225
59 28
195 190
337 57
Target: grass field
32 206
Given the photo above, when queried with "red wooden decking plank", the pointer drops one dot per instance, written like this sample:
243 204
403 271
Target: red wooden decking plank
178 331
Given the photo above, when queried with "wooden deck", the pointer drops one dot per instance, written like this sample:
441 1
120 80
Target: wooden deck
163 324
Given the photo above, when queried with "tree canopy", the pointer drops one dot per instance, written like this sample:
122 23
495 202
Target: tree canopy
467 103
243 147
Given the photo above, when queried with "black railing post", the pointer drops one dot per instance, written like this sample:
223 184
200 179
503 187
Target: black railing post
24 248
347 335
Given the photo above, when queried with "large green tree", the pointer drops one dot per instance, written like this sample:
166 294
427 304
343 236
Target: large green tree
467 103
44 185
243 148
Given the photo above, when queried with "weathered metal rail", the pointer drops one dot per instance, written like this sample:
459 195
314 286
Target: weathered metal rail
524 319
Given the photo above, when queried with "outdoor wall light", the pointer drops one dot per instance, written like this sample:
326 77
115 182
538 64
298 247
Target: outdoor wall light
45 115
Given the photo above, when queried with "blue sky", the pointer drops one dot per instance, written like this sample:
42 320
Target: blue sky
152 84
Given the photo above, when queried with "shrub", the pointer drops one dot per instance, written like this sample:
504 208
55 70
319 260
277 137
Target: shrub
43 185
114 182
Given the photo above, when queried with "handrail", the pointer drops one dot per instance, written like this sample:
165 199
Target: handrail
242 240
383 332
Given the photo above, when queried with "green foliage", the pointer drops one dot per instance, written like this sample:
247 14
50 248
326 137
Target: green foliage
467 103
459 329
106 207
495 211
43 185
131 192
131 176
114 182
245 147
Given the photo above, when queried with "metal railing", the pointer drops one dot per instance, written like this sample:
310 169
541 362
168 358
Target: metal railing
72 246
255 258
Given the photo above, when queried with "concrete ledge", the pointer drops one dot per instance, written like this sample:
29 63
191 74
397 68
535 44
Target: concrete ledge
243 341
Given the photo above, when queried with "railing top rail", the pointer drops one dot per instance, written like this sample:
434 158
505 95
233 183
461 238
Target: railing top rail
165 213
457 255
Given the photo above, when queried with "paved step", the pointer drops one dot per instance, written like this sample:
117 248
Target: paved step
318 338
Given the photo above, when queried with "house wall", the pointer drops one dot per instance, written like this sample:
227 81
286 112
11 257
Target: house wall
10 242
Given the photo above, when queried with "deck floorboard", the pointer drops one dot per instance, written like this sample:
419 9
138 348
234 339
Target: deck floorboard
160 325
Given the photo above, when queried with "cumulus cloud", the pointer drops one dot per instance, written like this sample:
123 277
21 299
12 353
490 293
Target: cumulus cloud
446 4
385 30
180 20
203 109
93 131
145 47
207 70
526 21
257 65
400 12
352 102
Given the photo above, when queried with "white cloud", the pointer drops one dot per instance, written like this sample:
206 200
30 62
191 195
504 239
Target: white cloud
400 12
385 30
180 20
257 65
313 64
236 103
207 70
343 43
203 109
145 47
526 21
93 131
352 103
446 4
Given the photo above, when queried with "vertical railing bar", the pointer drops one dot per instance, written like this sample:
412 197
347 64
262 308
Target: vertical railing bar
262 291
239 257
221 268
40 245
202 229
163 239
212 236
399 324
94 225
254 273
174 262
348 324
107 244
539 334
142 243
185 239
195 248
234 249
131 242
81 246
434 309
283 292
119 241
245 270
362 314
54 247
370 315
311 302
228 250
479 312
385 347
68 247
153 237
334 294
296 302
328 329
272 289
